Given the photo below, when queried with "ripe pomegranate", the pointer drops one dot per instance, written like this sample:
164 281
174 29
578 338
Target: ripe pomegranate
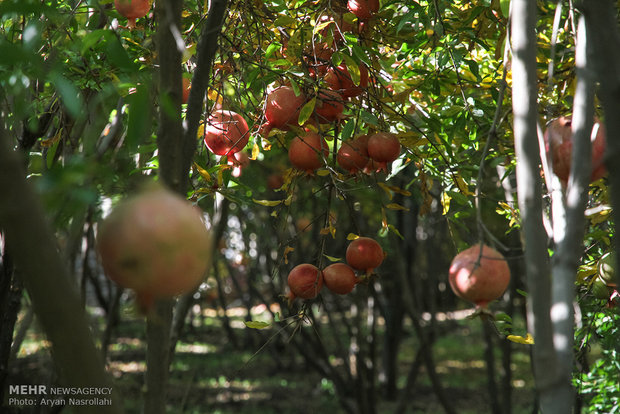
306 152
275 181
364 254
282 107
329 106
239 161
339 278
559 144
305 281
479 276
226 132
363 9
353 155
319 57
185 89
339 79
383 148
132 10
156 244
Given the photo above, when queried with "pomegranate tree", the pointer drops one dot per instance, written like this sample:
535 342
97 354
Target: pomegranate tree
226 132
156 244
132 9
306 152
339 79
339 278
479 275
282 107
304 281
559 145
364 254
353 155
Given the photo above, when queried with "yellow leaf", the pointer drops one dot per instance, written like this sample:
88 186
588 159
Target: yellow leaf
386 188
396 206
268 203
527 340
352 236
332 259
384 221
463 187
257 324
287 250
322 172
203 173
445 202
255 151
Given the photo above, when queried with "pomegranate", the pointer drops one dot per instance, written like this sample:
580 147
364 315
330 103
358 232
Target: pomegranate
383 148
363 9
559 144
329 106
479 275
305 281
132 10
282 107
156 244
306 152
364 254
226 132
319 57
238 161
339 79
275 181
353 155
339 278
185 89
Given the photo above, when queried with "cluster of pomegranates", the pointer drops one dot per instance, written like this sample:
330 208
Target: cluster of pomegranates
479 274
363 255
559 145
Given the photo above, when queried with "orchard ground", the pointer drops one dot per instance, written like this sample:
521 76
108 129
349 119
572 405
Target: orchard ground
209 375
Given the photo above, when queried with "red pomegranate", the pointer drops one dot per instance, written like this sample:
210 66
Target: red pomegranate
339 278
363 9
364 254
306 152
186 86
226 132
479 275
558 143
305 281
383 148
132 10
339 79
275 181
318 58
328 106
282 107
156 244
353 155
238 161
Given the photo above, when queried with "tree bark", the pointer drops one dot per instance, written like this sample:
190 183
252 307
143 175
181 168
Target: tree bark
56 301
527 150
602 26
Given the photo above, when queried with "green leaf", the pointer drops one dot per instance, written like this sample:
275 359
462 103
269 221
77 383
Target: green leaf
306 111
140 118
504 6
257 324
347 130
369 118
69 93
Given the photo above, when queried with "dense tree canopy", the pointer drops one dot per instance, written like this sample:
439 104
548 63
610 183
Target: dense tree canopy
433 127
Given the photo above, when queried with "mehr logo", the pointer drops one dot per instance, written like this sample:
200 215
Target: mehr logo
28 389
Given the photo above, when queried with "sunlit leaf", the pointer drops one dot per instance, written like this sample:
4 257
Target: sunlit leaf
306 111
526 340
257 324
268 203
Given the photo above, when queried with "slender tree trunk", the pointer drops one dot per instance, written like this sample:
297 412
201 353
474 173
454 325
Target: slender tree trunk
601 20
55 299
527 150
